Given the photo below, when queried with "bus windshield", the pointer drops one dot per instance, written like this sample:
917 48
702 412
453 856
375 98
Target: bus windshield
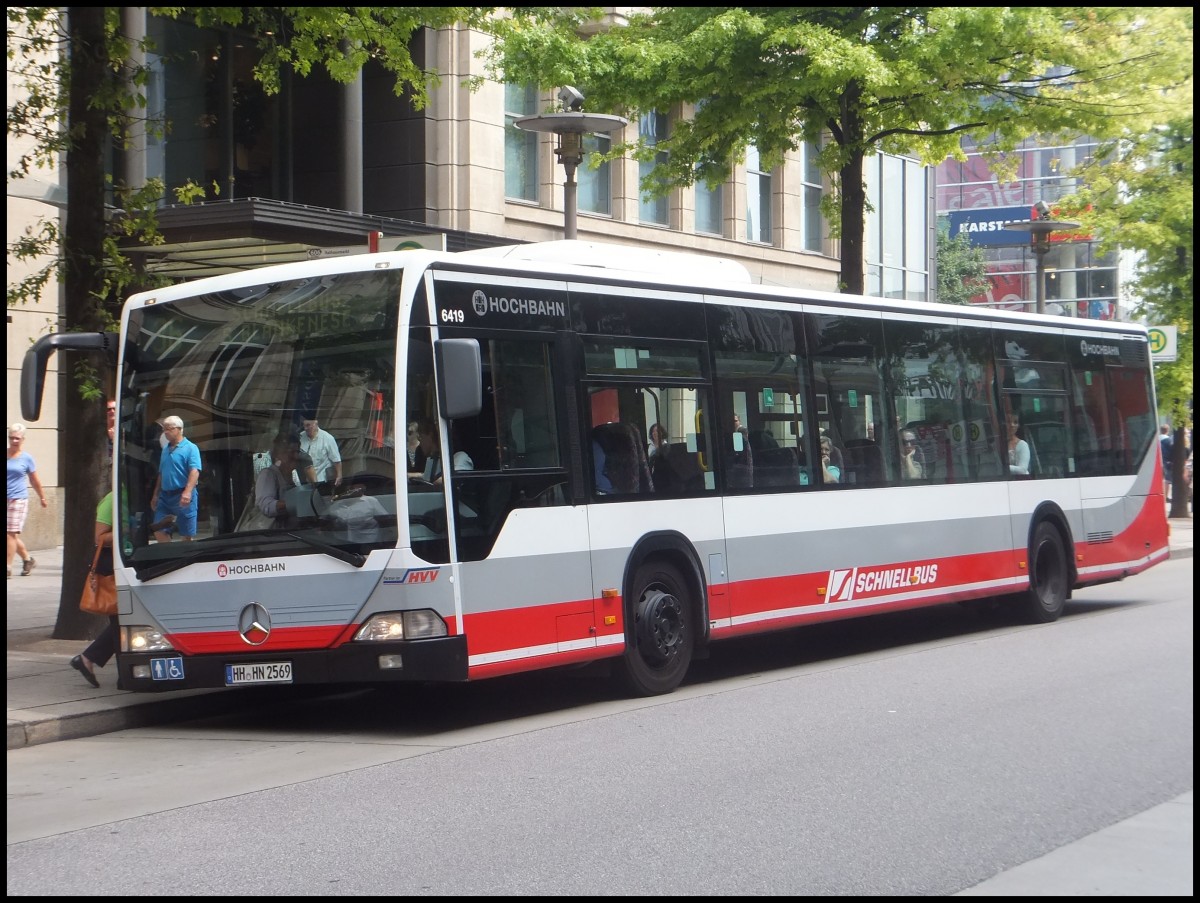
286 392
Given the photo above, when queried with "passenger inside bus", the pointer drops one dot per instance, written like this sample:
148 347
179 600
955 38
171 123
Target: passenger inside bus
1018 448
658 438
910 467
267 507
830 472
416 457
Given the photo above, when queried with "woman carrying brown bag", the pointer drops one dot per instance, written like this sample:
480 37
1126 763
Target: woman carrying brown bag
105 645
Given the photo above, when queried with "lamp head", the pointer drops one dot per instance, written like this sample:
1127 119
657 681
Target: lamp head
1042 209
571 99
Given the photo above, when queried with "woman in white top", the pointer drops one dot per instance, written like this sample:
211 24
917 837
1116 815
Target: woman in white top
1018 449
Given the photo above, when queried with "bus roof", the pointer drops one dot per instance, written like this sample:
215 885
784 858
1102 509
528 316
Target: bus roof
624 258
679 270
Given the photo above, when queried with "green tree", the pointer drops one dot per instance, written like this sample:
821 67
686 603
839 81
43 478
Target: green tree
857 80
74 92
961 269
1141 200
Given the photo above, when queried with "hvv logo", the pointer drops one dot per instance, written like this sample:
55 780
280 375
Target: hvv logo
414 575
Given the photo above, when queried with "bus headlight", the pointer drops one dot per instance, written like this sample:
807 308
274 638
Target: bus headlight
422 624
144 639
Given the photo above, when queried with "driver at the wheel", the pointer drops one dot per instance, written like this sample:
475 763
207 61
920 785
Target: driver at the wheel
427 433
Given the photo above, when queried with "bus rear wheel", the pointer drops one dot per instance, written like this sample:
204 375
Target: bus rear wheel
660 636
1049 576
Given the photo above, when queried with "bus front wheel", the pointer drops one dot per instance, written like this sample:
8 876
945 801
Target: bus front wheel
661 635
1049 576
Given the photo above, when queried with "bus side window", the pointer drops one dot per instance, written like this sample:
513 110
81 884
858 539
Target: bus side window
524 404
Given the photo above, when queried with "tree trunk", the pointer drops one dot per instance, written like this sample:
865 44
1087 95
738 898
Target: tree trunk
853 212
853 193
82 426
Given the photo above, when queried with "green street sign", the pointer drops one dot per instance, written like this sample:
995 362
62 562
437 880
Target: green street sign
1164 343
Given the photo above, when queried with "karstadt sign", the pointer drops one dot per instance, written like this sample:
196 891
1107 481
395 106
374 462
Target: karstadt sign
985 227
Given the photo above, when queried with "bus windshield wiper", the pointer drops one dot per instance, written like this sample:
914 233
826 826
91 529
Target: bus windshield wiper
171 564
353 558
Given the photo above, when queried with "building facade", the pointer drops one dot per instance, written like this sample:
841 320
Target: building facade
323 168
1080 280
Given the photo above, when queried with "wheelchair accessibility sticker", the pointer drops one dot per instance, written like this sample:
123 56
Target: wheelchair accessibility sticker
166 668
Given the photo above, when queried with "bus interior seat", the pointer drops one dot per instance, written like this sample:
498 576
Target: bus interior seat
739 472
864 462
624 457
776 467
1035 462
677 470
761 440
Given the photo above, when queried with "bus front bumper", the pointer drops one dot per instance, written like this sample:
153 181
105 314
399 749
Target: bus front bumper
436 660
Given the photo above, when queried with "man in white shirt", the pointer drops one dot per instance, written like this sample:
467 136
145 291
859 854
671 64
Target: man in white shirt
323 449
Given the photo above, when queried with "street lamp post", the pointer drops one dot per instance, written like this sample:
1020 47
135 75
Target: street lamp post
570 126
1040 228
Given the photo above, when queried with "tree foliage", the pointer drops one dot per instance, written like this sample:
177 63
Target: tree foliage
961 269
1141 200
73 94
858 80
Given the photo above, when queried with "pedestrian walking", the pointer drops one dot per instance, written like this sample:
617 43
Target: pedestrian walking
1166 445
22 473
105 645
111 414
174 499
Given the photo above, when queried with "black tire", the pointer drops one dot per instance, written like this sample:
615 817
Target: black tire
1049 576
660 633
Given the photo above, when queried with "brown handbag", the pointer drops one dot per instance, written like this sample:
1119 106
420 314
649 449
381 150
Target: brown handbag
99 591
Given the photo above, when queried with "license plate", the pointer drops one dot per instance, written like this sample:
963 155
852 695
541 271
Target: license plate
258 673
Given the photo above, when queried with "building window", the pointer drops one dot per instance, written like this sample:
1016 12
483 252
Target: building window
810 176
595 184
897 234
652 128
1079 281
758 199
710 202
520 147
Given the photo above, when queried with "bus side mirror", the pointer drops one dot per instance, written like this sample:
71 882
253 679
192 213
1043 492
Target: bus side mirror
33 367
460 377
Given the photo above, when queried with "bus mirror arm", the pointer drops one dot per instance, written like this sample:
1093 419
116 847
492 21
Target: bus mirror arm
33 367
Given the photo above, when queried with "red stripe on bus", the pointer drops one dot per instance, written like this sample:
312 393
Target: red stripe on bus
317 636
541 625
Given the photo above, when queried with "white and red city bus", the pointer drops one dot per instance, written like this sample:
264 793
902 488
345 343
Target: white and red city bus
627 457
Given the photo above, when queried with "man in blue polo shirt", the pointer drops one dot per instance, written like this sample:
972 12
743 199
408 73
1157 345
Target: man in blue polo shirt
174 500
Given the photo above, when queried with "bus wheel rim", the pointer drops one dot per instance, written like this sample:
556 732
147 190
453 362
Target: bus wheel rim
660 627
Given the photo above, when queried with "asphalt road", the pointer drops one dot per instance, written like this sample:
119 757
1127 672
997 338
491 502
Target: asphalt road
920 753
